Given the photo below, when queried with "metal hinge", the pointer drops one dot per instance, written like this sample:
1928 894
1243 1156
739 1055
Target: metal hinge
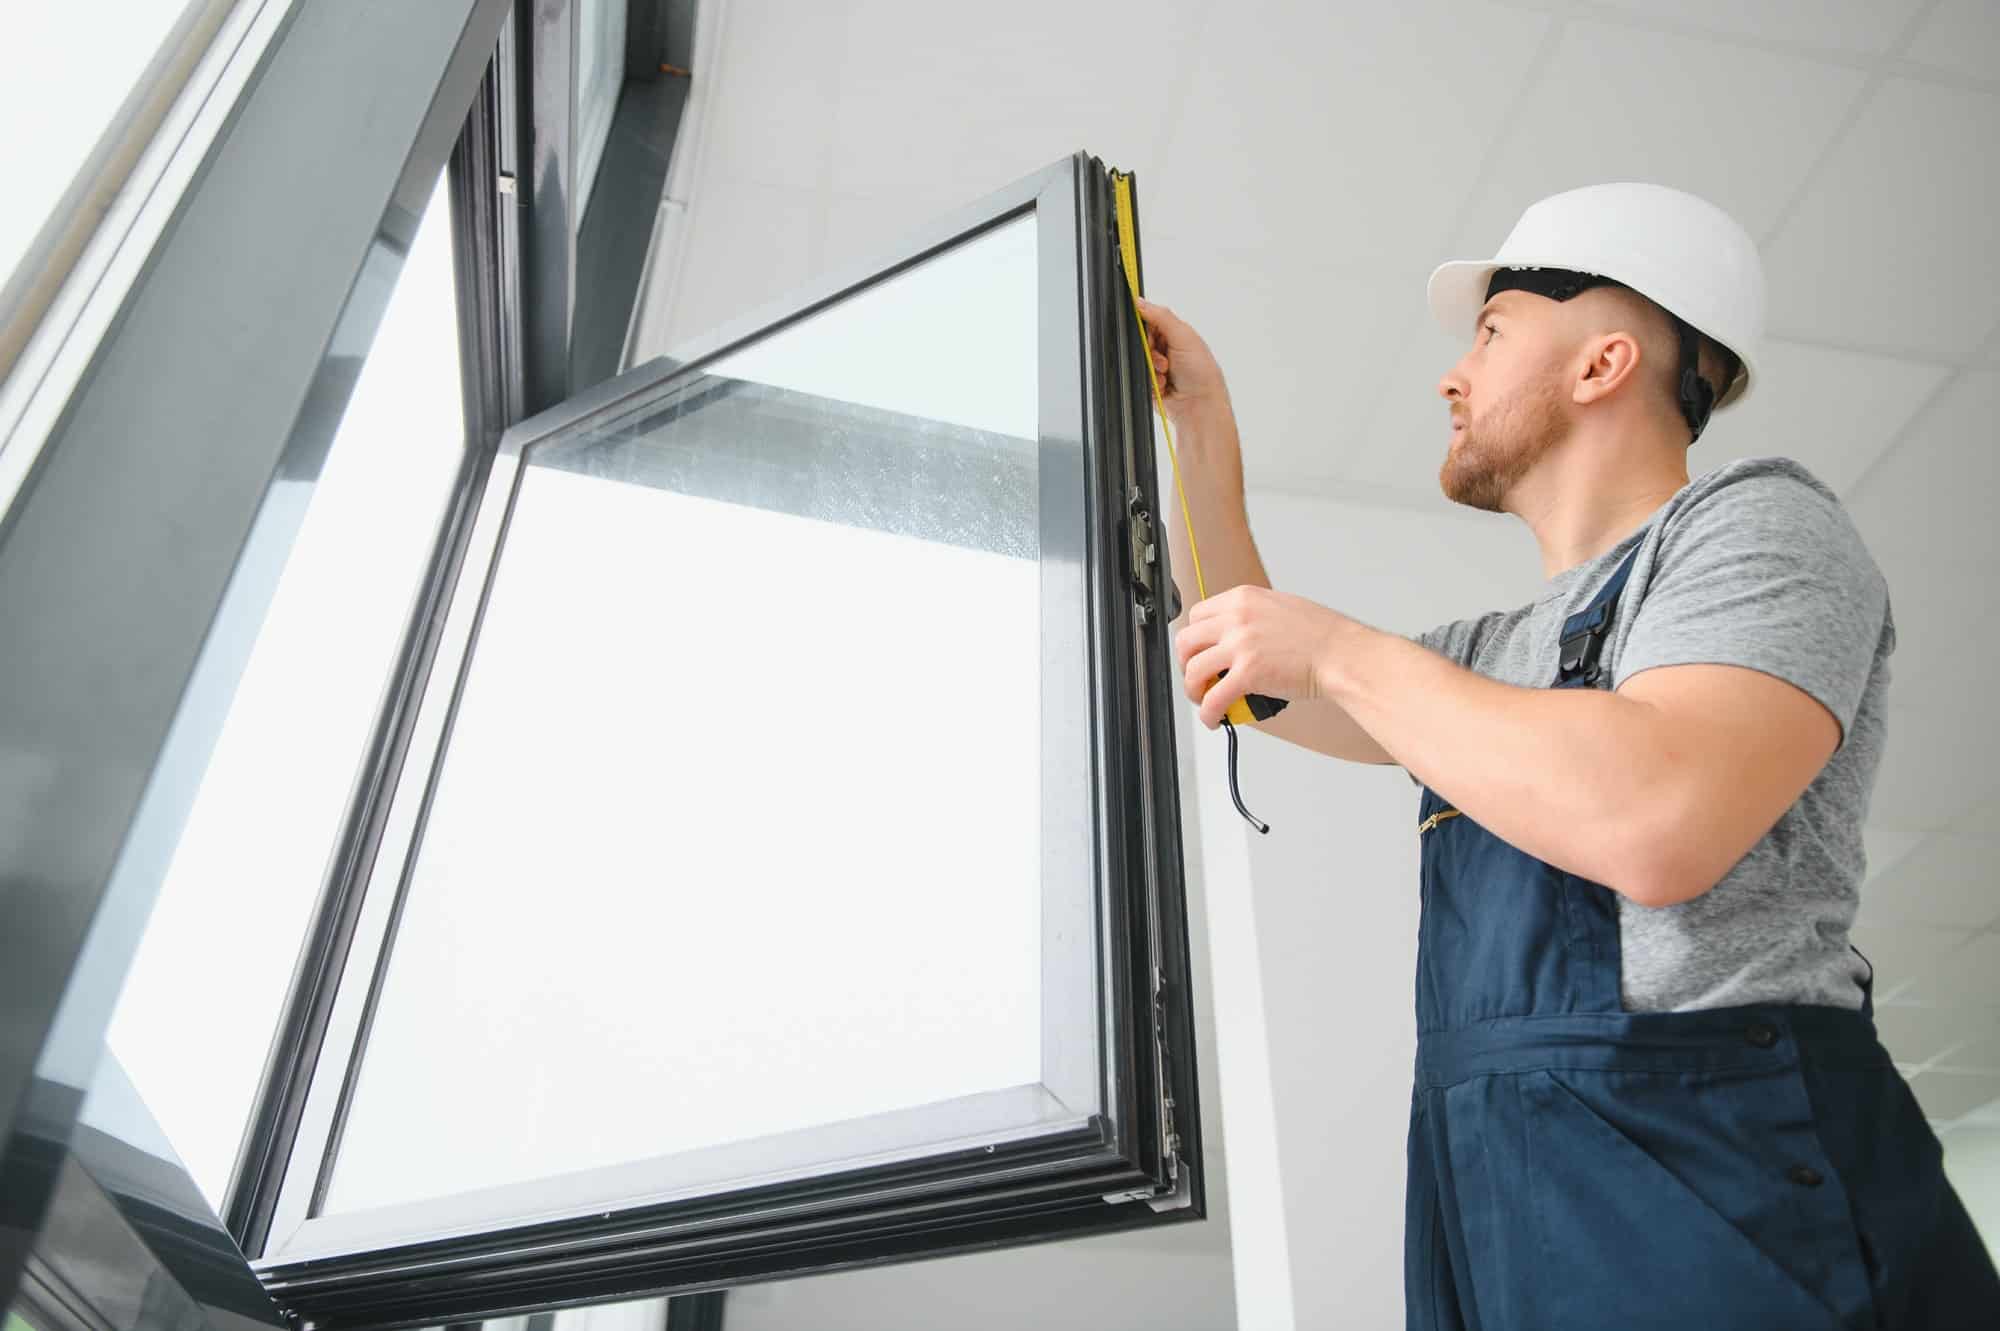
1145 553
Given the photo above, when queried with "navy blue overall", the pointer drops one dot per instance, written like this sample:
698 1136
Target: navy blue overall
1572 1164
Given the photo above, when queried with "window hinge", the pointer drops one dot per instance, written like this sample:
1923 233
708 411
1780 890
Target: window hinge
1145 555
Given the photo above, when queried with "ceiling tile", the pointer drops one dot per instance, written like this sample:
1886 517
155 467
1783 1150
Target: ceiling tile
1968 974
1887 844
1980 1051
1294 370
747 244
1940 653
1927 505
1948 1095
1961 36
1893 238
1402 569
862 229
1903 953
975 97
1937 762
1334 133
1918 1033
1863 27
776 84
1833 411
1948 880
1401 442
1664 109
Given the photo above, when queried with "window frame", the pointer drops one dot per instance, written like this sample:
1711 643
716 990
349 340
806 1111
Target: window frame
213 366
1135 1161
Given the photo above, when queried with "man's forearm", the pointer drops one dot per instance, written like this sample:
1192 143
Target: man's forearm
1576 777
1211 474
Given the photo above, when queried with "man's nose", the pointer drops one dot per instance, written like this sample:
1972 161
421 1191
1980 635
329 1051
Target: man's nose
1452 387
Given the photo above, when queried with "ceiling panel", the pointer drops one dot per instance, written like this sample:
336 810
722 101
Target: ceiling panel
1941 652
1833 411
1615 105
1892 244
1981 1050
747 244
1948 1095
1299 356
1339 133
1862 27
779 74
1937 763
1401 443
1949 879
1969 974
1918 1033
1903 953
1960 35
975 96
1887 844
1927 505
867 228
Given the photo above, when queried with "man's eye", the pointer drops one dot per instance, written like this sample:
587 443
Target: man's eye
1492 330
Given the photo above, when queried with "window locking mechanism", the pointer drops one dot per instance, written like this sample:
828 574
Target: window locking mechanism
1145 554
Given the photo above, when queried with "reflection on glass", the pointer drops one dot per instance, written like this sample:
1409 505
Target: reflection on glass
738 831
201 1000
600 77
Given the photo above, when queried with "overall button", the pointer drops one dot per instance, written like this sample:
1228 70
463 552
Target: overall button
1805 1176
1761 1035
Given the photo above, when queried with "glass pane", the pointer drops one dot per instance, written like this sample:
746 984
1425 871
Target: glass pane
201 1000
739 828
600 76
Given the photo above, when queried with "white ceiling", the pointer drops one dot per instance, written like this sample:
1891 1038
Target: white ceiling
1303 166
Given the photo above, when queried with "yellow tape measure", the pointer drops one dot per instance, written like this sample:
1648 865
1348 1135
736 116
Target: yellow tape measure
1128 250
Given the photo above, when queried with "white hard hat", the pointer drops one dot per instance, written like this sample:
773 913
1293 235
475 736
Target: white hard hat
1680 251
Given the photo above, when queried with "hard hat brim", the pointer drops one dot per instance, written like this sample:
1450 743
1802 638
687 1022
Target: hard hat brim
1457 292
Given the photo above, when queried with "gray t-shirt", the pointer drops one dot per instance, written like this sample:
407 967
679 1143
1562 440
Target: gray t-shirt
1753 564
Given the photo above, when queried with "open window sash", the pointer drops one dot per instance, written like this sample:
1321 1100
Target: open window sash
791 425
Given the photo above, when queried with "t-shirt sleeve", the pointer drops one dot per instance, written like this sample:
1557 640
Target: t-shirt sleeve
1769 573
1457 641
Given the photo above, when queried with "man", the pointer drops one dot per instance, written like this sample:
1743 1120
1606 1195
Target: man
1648 1089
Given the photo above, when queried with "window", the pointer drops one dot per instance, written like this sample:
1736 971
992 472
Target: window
787 849
202 998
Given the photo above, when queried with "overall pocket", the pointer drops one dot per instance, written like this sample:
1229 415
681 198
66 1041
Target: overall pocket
1664 1200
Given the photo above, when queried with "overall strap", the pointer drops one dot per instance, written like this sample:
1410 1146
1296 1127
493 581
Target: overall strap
1583 632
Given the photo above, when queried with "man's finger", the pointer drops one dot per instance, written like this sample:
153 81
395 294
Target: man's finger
1156 312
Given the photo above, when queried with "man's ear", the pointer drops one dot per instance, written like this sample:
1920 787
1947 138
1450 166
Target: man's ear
1609 361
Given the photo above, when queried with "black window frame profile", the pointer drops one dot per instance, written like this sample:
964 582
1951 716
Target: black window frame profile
1134 1159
